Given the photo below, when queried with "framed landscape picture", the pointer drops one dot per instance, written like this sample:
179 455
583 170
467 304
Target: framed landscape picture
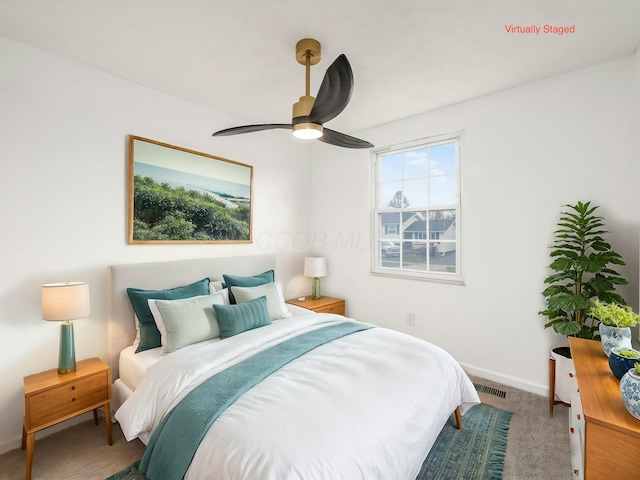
178 195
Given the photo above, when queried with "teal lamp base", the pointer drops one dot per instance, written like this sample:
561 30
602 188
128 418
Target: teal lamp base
67 357
315 288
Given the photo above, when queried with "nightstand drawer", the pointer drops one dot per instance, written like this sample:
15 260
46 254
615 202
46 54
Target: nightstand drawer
55 403
337 308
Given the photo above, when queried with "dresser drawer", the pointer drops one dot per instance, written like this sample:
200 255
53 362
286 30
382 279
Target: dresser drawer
66 399
337 308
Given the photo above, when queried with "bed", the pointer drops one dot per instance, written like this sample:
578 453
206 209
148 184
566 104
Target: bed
302 396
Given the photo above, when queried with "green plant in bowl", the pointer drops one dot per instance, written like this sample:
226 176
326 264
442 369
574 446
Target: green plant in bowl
623 359
627 353
613 315
636 367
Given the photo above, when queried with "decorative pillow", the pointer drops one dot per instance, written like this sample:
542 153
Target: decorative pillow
186 321
149 334
273 291
235 319
136 340
216 286
254 281
157 317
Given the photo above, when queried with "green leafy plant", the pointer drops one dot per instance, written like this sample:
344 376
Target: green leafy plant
614 315
637 368
628 353
582 272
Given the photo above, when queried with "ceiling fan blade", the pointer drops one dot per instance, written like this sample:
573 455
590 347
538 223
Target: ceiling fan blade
341 140
250 128
334 93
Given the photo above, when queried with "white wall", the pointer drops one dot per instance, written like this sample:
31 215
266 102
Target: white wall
527 152
63 186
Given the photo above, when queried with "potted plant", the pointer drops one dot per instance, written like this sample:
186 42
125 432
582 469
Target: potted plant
621 359
615 324
630 390
582 263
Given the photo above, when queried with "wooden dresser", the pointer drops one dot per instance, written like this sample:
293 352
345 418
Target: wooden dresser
606 434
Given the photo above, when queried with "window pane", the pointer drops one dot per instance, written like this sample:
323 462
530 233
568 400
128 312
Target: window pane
391 195
442 225
443 190
391 167
389 254
443 159
416 193
443 259
416 163
389 227
413 256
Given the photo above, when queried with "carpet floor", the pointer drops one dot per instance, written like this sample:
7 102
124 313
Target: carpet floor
537 445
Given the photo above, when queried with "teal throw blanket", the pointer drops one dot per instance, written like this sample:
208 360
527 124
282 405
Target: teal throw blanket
174 443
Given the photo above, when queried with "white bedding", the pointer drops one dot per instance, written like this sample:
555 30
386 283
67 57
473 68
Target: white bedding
366 406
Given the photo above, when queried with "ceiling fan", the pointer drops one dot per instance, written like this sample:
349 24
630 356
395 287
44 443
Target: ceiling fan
310 114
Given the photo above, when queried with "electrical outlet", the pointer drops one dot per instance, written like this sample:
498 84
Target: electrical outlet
411 318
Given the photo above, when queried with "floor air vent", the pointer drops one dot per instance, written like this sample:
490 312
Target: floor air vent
490 390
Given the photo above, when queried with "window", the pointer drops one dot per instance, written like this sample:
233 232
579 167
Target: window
416 214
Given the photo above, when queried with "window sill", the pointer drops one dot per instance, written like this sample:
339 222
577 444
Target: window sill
453 280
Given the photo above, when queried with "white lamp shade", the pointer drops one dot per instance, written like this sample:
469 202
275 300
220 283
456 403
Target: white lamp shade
65 301
315 267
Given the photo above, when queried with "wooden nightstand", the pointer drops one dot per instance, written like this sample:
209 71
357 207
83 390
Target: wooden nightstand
322 305
51 398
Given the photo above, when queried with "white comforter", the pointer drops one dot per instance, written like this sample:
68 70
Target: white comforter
366 406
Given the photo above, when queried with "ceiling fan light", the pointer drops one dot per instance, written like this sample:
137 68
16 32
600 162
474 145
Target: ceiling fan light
307 131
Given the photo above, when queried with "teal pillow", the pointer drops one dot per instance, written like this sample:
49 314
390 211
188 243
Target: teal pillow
149 333
235 319
254 281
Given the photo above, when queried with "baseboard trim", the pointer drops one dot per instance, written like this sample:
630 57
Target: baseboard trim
531 387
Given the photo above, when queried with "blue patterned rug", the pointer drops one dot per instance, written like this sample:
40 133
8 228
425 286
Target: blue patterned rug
474 453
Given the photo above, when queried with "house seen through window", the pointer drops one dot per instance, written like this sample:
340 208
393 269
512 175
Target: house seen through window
417 209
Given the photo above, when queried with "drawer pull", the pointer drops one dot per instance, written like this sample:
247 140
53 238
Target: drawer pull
73 399
572 430
570 374
73 387
578 415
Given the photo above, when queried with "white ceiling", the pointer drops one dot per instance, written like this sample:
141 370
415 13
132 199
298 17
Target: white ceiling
408 56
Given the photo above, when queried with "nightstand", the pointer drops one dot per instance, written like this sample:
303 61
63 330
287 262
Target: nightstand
51 398
322 305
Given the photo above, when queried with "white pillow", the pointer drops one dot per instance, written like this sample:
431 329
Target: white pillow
185 321
215 286
275 300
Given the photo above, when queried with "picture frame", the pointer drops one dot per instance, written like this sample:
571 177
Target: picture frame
181 196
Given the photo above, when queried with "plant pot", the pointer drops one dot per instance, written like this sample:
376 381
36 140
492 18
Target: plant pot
630 391
619 364
561 375
614 337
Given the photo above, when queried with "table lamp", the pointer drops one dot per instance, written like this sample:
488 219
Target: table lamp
64 302
315 267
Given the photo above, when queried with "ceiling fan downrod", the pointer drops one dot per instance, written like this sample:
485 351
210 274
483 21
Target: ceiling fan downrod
307 54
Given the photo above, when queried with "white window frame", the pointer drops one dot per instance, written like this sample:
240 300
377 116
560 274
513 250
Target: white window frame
376 210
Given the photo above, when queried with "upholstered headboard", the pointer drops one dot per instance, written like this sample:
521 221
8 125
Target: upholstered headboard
160 275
